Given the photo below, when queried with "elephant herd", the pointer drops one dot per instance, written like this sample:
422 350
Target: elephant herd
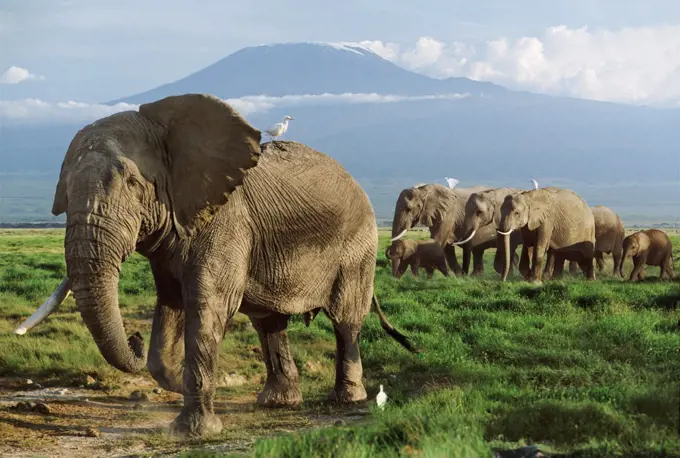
552 223
268 230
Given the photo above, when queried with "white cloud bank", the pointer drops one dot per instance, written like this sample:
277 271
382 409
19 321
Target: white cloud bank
35 110
638 65
16 75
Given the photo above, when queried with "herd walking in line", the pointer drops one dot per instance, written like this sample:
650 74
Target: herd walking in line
273 230
553 225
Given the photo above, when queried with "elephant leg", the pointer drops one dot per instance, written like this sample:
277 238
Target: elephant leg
587 265
282 387
207 311
415 265
430 272
599 258
548 271
441 266
573 267
350 304
524 264
668 262
618 263
348 369
540 248
450 253
515 260
638 268
478 262
467 251
166 349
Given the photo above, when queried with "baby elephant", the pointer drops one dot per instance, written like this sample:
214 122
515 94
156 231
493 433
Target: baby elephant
427 254
651 247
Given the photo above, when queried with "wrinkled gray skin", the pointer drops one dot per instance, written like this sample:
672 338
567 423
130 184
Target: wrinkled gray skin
482 216
442 210
609 235
416 253
653 248
228 225
550 219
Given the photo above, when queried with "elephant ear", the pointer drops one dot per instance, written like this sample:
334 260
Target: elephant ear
538 208
435 200
60 203
209 148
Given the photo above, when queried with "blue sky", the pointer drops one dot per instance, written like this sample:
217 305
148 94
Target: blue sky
92 51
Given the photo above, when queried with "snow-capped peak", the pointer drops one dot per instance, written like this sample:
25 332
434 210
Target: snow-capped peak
341 46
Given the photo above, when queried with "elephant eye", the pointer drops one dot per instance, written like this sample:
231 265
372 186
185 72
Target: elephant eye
133 183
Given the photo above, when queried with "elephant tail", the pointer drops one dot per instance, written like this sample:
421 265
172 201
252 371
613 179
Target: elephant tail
396 335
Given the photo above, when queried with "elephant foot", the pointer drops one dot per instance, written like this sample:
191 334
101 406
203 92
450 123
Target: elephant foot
280 395
477 273
348 394
196 424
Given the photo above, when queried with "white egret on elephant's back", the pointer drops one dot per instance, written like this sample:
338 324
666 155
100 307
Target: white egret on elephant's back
279 128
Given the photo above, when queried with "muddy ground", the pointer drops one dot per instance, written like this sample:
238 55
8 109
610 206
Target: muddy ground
133 419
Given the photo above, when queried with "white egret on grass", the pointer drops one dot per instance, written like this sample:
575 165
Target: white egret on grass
381 398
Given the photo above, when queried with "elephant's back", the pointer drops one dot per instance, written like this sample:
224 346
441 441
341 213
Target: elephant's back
301 190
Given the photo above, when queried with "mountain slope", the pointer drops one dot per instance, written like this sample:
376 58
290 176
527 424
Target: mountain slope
308 68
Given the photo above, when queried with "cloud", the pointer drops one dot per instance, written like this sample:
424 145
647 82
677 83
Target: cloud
36 110
15 75
638 65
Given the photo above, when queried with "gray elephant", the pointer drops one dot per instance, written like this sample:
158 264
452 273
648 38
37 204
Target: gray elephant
442 210
427 254
652 247
549 218
482 216
228 225
609 234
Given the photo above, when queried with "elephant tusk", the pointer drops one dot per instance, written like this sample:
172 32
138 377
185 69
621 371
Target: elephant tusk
49 306
505 233
466 240
401 234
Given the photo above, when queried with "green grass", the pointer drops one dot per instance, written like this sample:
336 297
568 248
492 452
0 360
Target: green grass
581 368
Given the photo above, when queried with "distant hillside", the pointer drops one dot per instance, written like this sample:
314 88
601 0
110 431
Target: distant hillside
308 68
623 156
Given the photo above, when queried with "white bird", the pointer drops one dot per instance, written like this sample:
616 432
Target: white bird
452 182
279 128
381 398
535 183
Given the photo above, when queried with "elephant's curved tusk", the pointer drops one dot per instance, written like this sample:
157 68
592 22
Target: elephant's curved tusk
505 233
466 240
401 234
49 306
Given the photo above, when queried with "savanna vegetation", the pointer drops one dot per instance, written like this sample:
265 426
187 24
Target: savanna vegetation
579 368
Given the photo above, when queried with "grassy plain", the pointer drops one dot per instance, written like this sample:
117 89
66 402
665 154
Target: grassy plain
580 368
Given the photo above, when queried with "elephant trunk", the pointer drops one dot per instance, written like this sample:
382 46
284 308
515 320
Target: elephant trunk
93 266
507 260
395 267
400 225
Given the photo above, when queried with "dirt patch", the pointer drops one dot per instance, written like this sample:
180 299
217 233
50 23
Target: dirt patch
88 422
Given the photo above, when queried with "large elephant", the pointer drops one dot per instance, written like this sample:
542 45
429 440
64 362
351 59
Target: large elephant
228 225
442 210
553 219
483 216
609 235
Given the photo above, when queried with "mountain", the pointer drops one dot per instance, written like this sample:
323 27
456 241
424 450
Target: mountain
308 68
622 156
